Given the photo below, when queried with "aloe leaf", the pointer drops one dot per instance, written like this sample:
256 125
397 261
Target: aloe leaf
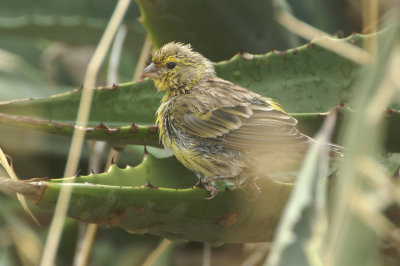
47 8
72 30
246 27
158 197
73 22
309 123
332 16
305 79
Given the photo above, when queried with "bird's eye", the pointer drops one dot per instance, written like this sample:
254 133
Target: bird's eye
171 65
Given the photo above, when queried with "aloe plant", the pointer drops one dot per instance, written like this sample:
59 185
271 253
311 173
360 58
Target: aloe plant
158 196
78 24
304 84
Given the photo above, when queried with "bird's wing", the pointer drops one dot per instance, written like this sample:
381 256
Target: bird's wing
265 129
239 119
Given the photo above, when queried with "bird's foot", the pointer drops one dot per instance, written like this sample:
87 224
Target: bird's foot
212 189
206 184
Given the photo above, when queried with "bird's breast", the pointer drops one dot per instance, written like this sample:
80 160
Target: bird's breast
165 122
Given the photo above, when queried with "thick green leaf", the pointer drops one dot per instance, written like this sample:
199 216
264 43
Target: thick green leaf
309 123
71 30
307 79
158 197
86 8
336 17
228 27
73 22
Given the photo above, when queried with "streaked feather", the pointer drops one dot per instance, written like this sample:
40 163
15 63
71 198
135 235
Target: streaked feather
218 128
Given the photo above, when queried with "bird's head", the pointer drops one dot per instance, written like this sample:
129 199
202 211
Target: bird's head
175 67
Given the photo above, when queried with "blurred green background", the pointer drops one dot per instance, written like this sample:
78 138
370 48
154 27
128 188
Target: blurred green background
45 47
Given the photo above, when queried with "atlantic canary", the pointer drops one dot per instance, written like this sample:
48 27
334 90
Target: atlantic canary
220 129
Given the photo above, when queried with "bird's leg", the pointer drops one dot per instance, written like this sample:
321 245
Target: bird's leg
212 189
206 183
216 178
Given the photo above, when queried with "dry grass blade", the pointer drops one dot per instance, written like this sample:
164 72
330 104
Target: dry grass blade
256 253
164 244
85 242
370 18
144 55
115 56
207 250
13 176
365 207
28 245
84 247
78 136
323 39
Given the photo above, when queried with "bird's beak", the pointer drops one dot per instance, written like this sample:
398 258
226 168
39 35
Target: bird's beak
151 71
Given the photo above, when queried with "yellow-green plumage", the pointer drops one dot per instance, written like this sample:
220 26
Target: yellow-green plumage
218 128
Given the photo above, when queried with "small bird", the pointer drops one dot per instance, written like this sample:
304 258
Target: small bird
219 129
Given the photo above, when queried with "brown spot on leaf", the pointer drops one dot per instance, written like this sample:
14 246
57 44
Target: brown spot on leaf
311 45
158 223
112 87
282 53
133 128
150 185
35 194
294 51
77 90
140 210
336 109
153 129
245 55
266 222
105 128
115 217
98 219
227 220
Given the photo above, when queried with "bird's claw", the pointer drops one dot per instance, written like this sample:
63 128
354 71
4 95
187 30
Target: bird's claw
205 183
213 190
